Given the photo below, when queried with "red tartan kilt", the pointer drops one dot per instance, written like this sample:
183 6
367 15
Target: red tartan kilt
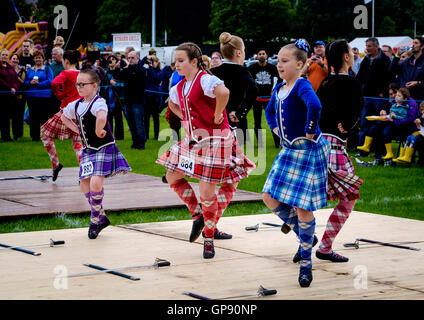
342 184
54 128
216 160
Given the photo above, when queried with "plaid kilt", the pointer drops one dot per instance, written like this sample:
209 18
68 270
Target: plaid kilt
54 128
108 161
343 184
298 176
216 160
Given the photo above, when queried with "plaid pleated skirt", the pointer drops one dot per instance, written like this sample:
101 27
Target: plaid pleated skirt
343 184
298 176
107 162
55 128
213 160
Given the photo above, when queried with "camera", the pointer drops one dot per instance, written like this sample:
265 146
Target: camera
122 63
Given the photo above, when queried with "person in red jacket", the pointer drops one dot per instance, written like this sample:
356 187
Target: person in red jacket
210 152
63 87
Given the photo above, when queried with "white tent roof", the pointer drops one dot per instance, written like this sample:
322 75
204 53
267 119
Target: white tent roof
391 41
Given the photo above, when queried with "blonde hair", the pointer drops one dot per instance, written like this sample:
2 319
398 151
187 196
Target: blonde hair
57 38
3 50
229 44
207 61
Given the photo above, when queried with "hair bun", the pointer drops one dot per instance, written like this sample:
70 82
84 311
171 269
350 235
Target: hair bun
225 37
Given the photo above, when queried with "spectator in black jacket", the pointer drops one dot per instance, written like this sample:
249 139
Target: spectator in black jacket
411 70
238 80
266 77
394 61
134 76
374 77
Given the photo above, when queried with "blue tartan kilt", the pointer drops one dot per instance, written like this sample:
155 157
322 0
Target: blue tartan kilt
298 176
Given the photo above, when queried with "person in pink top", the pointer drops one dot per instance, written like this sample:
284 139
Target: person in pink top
63 86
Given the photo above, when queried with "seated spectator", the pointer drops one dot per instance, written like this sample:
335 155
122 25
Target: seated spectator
408 150
393 125
38 82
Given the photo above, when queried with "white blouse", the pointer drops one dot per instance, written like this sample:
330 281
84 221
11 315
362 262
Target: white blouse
208 83
99 104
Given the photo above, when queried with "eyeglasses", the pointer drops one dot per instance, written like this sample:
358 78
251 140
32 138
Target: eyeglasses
82 84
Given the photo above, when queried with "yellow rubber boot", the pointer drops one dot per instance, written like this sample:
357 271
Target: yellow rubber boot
389 152
367 144
402 154
409 152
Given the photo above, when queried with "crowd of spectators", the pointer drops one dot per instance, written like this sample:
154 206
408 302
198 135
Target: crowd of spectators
136 89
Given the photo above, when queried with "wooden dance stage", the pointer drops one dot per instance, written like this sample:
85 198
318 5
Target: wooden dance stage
122 192
240 266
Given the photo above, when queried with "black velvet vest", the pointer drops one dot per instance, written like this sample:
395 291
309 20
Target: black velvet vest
87 129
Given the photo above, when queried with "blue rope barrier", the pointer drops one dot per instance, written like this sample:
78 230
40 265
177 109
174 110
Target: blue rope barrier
44 90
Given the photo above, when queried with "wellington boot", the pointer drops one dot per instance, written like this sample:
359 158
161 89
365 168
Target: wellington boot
389 152
367 144
402 154
409 152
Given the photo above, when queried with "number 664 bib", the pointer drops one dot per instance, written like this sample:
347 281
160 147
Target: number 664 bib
87 168
186 164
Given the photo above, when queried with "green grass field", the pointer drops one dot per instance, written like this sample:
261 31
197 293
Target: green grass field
395 191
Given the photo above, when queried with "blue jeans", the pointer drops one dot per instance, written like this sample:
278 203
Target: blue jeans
134 113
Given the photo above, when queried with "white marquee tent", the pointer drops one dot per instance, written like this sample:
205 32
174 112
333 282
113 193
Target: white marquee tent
391 41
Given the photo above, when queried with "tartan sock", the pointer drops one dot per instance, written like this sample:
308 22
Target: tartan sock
306 238
288 214
225 195
88 197
97 212
209 209
77 146
335 222
51 150
186 193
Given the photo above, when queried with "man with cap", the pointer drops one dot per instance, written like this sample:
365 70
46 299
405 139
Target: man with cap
316 65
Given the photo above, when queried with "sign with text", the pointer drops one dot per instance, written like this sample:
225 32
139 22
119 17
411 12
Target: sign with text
123 40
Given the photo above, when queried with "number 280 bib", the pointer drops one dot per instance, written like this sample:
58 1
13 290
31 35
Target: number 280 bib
186 164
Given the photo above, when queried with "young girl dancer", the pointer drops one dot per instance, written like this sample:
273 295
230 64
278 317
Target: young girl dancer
63 86
210 151
100 156
337 122
298 176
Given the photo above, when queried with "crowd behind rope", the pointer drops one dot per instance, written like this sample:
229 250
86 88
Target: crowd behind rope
136 89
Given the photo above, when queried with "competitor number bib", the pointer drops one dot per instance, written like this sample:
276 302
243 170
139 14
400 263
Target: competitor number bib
87 168
186 164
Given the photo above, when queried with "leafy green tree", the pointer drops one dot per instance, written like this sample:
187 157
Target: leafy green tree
256 21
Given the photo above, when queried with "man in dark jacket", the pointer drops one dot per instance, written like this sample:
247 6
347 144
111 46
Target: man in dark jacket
374 77
134 77
411 70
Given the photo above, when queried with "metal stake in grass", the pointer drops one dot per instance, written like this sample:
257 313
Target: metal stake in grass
19 248
157 264
261 293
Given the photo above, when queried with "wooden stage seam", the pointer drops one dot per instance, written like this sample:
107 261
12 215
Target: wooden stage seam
241 264
123 192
